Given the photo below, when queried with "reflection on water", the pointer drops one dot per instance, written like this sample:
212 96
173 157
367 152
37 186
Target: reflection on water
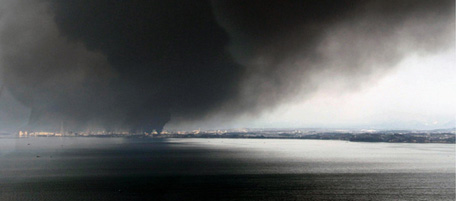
230 169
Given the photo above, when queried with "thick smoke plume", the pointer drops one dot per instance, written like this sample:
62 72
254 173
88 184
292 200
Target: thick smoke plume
133 65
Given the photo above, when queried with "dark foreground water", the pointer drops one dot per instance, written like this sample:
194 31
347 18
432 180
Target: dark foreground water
223 169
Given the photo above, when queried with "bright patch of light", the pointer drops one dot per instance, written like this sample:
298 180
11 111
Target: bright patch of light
419 93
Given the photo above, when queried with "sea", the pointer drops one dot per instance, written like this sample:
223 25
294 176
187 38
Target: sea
91 168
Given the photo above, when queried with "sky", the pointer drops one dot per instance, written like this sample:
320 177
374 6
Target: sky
149 65
417 94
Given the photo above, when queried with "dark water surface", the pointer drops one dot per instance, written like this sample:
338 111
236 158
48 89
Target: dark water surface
223 169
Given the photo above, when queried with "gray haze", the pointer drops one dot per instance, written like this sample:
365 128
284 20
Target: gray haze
136 65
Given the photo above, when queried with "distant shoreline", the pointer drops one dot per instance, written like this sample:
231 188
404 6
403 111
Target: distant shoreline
422 138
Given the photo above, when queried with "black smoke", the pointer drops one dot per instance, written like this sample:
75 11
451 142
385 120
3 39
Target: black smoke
170 55
292 48
134 65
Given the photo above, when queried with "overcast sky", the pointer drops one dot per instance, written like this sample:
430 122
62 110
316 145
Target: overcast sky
222 64
418 94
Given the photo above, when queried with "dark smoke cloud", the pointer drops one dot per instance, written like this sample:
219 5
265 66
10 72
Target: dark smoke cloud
136 64
292 48
170 55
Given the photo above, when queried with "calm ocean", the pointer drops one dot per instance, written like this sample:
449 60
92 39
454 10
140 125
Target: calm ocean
77 168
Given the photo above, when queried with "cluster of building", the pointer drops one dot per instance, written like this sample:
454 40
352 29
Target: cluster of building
39 134
76 134
436 136
164 133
